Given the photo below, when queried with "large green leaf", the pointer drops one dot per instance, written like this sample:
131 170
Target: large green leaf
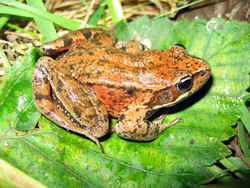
181 157
16 106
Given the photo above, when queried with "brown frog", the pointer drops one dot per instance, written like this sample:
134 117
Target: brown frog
96 77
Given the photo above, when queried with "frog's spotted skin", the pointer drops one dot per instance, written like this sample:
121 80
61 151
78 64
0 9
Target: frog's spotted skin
97 77
87 38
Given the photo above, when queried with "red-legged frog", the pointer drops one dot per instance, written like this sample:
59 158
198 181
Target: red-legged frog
95 77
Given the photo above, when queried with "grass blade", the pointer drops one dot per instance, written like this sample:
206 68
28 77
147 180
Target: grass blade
45 27
245 118
23 30
7 10
97 15
115 9
3 21
59 20
243 141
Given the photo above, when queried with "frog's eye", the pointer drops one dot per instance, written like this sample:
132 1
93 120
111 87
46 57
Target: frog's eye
180 46
184 83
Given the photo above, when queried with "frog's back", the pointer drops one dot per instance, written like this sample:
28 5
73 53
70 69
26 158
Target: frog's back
118 79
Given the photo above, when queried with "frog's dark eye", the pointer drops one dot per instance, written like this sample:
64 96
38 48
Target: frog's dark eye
180 45
184 83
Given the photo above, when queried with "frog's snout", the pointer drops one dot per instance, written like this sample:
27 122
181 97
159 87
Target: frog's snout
201 77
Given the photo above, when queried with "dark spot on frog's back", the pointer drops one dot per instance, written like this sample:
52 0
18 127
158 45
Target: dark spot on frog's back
71 66
68 41
90 52
38 81
98 43
134 131
87 34
80 47
59 89
114 101
165 97
59 85
124 48
39 96
91 116
111 92
131 91
106 117
77 112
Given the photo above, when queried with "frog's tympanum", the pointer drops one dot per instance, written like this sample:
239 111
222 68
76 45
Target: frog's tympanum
96 77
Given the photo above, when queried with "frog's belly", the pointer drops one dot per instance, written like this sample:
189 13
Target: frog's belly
117 100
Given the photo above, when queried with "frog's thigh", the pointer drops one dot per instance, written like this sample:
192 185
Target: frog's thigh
45 104
82 104
133 126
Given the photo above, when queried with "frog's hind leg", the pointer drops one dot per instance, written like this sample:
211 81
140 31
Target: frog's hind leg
42 96
88 38
133 125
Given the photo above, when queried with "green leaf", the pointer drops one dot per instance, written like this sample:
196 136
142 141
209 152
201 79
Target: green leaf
45 27
16 106
12 177
182 156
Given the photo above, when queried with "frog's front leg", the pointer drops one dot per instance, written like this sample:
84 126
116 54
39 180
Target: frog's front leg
133 125
64 101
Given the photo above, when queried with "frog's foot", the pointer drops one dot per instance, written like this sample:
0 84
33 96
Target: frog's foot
133 126
47 104
166 125
88 37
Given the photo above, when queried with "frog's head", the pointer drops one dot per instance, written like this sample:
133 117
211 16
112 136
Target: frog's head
186 75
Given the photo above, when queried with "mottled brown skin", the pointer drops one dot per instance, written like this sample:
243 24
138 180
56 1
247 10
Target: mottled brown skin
97 77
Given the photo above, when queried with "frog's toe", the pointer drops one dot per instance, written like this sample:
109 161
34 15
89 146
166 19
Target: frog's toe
169 124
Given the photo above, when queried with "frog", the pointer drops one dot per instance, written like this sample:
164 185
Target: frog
87 76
